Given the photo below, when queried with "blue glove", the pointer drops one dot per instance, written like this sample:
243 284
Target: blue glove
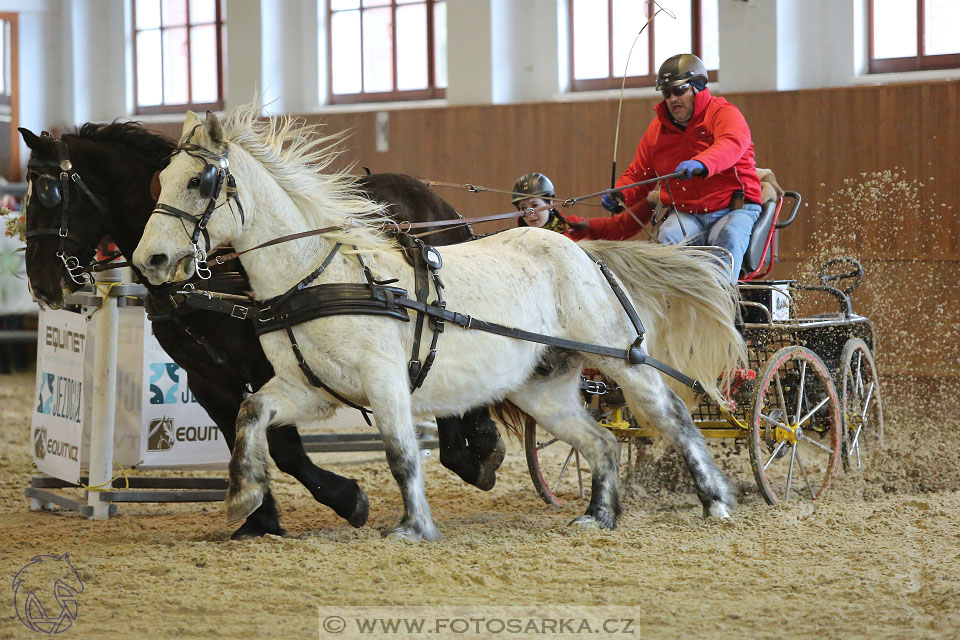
610 203
691 168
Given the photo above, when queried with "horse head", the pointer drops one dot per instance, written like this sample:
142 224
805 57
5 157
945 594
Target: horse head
195 183
52 206
83 187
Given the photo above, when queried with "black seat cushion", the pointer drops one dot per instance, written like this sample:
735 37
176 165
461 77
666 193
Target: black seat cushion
753 257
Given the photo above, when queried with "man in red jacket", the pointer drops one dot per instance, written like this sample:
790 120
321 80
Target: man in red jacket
717 200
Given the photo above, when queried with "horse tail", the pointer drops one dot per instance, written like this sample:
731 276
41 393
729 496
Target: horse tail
512 417
687 294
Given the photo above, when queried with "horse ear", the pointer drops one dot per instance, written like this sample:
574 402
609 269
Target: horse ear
190 124
213 128
29 137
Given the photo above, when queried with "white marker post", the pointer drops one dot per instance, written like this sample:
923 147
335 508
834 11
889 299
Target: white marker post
104 402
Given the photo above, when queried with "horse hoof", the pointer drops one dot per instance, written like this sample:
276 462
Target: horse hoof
716 509
412 533
361 511
594 522
487 469
585 523
242 503
250 530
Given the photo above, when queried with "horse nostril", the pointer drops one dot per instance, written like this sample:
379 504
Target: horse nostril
157 260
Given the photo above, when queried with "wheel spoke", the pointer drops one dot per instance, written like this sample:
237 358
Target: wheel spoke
812 411
803 382
775 422
783 404
816 444
541 447
855 444
579 475
806 479
793 458
564 469
866 402
774 454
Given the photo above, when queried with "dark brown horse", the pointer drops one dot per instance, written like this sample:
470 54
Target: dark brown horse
111 197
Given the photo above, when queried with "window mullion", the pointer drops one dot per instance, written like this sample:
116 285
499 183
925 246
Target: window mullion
921 32
393 44
189 58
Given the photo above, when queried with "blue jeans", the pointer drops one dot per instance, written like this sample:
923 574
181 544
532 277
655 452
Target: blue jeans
723 228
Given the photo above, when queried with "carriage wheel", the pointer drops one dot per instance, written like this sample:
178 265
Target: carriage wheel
861 403
560 464
796 427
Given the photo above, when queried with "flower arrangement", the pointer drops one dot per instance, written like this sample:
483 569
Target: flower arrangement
16 223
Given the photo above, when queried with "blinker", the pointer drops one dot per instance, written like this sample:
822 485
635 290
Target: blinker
48 191
211 181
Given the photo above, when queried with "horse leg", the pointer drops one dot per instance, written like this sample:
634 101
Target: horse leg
343 495
270 405
648 395
222 402
391 407
476 463
555 403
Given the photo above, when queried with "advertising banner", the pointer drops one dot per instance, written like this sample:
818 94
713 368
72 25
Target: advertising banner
173 429
58 413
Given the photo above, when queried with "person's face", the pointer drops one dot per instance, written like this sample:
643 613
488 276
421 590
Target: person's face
681 107
538 218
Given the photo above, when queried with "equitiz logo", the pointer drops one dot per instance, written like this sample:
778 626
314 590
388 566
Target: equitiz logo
160 435
45 594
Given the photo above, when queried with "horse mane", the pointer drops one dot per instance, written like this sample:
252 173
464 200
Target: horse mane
130 134
295 155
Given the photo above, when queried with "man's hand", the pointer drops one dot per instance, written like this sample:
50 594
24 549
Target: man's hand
580 225
691 168
611 203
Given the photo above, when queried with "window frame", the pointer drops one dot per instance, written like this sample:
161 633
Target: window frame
217 105
431 92
919 62
613 81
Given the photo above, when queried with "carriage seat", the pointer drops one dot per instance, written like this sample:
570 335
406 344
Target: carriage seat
770 194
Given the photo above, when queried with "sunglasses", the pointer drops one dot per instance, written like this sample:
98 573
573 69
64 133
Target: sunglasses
678 90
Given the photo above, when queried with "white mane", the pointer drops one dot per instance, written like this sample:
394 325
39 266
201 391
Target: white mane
296 155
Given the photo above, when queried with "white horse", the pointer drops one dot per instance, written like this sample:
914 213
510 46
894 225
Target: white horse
526 278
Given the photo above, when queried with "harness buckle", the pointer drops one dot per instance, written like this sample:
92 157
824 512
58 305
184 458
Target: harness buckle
239 312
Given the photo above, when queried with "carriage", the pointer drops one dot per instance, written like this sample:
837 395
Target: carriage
808 402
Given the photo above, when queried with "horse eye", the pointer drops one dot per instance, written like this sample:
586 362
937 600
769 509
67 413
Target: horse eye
194 183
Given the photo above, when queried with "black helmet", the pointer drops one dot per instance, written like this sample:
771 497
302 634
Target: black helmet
532 185
681 68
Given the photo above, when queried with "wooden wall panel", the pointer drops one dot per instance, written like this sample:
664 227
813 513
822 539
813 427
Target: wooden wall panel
878 167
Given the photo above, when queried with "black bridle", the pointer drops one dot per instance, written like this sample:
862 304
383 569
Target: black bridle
214 176
53 193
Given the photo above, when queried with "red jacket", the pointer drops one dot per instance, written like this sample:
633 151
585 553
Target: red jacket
717 135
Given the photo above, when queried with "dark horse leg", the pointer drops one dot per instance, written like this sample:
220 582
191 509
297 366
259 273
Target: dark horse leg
222 402
471 447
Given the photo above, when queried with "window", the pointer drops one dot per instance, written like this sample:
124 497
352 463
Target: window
910 35
178 55
386 50
602 32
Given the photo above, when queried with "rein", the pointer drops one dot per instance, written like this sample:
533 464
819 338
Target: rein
405 227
